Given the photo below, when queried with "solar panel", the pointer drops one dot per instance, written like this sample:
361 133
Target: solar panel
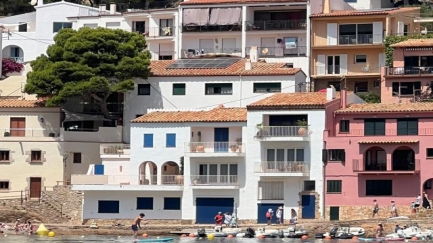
203 63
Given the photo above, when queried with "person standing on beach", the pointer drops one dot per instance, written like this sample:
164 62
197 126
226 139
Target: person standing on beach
375 208
136 224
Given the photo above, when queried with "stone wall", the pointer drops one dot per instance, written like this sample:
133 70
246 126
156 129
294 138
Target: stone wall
72 202
365 212
128 222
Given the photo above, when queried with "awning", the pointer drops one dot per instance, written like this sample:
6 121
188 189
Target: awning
71 117
387 141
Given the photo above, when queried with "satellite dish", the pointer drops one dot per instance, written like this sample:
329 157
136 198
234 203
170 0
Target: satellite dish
34 2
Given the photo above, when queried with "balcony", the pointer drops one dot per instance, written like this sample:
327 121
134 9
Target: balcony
394 166
265 52
211 28
210 52
386 132
360 39
215 149
214 181
409 71
354 69
273 25
18 134
155 32
101 134
115 149
283 133
282 168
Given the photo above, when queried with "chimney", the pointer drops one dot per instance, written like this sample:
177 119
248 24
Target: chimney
343 99
326 6
113 9
102 8
248 65
220 106
254 54
40 2
330 93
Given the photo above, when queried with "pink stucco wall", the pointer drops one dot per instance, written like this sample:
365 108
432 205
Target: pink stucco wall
406 185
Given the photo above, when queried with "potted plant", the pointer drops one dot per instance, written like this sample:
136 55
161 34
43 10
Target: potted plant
193 148
200 146
303 127
233 147
106 150
6 134
239 142
119 149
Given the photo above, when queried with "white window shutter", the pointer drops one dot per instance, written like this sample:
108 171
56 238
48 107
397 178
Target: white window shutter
343 64
400 28
321 65
332 34
377 32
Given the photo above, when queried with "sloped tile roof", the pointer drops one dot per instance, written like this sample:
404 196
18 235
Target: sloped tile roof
387 141
397 107
341 13
10 103
414 43
159 68
197 2
220 114
304 100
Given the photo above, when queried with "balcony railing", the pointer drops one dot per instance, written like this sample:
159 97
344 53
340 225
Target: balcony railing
126 180
165 55
293 24
278 51
115 149
211 28
282 167
156 31
29 132
360 39
282 131
215 147
354 69
401 71
386 132
16 59
214 180
398 165
204 52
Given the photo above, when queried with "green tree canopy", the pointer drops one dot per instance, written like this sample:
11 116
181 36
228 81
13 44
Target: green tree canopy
89 63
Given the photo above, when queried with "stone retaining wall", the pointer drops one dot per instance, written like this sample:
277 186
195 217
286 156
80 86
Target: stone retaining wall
365 212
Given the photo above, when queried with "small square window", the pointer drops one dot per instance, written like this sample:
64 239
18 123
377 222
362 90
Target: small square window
4 185
337 155
145 203
333 186
344 126
309 185
360 58
361 87
429 153
148 141
4 156
170 140
36 156
144 89
77 158
179 89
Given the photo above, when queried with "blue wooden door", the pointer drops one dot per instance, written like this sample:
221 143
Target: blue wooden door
262 208
99 169
308 206
221 138
207 208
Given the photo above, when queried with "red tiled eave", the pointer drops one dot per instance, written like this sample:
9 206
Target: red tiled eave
11 103
300 100
387 108
387 141
209 2
342 13
414 43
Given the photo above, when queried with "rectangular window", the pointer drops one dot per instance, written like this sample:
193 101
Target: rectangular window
429 152
60 25
407 126
4 155
350 1
77 158
333 65
36 156
92 26
145 203
266 87
309 185
360 59
112 25
22 27
172 203
144 89
170 140
108 206
292 155
333 186
336 155
4 185
148 141
344 126
179 89
361 87
378 187
374 127
219 89
406 88
352 34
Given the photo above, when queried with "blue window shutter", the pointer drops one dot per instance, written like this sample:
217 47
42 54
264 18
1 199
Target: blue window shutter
171 203
145 203
148 141
99 170
170 140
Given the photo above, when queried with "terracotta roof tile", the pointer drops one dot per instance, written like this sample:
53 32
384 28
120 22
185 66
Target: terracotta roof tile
159 68
197 2
306 100
397 107
341 13
214 115
9 103
414 43
387 141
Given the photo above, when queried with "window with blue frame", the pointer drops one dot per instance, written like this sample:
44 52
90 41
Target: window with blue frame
145 203
171 203
148 141
170 140
106 206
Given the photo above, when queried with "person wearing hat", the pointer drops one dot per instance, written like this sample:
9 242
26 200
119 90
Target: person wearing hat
279 213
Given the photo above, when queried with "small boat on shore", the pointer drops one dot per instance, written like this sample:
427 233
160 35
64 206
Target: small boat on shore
155 240
292 232
218 231
343 232
379 239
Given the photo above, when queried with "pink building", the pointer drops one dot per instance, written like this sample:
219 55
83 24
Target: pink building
376 151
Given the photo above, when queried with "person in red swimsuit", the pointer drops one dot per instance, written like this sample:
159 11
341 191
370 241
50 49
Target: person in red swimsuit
219 219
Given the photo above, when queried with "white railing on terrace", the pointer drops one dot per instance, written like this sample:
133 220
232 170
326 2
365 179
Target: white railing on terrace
214 180
115 149
215 147
283 131
16 59
282 167
29 132
126 180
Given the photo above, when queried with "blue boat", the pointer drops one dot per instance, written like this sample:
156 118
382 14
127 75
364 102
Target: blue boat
156 240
